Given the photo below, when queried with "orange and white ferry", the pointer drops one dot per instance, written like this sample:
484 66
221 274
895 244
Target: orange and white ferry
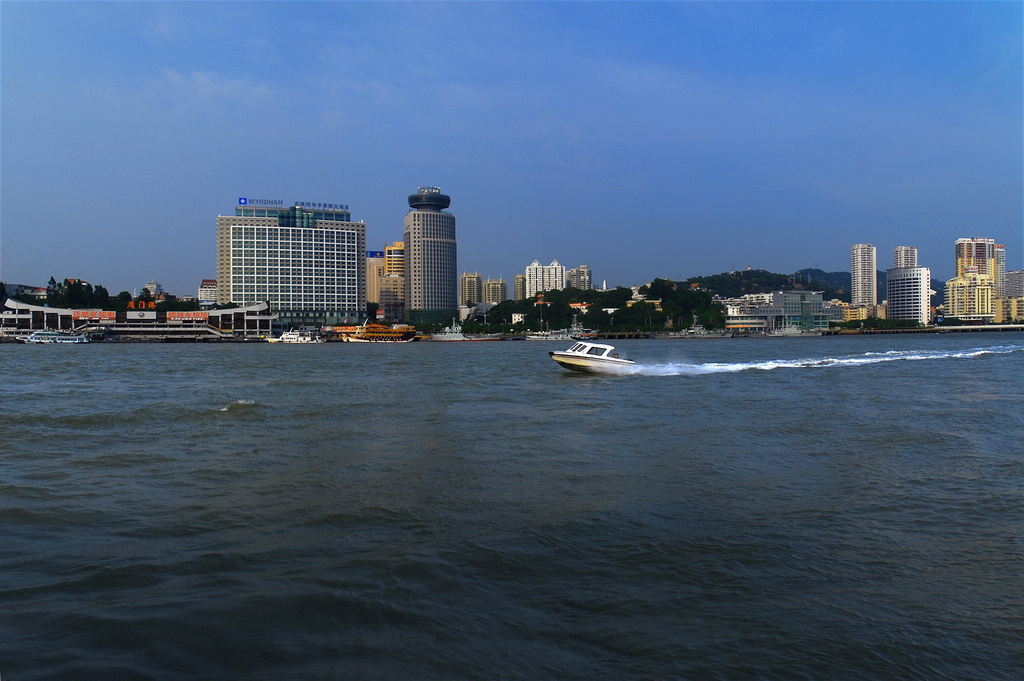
368 332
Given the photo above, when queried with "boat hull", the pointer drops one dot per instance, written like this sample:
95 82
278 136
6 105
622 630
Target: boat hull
592 365
45 338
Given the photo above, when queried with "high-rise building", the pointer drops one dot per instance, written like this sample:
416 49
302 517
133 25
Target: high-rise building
495 291
999 272
540 278
969 297
394 258
374 270
519 287
864 275
391 282
580 277
308 263
207 291
904 257
431 259
908 287
1014 284
977 253
470 289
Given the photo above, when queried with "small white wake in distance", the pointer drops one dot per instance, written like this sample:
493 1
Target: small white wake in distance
689 369
237 404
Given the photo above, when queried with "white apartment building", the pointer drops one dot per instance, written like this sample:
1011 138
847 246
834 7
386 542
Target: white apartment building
864 275
908 293
541 278
904 257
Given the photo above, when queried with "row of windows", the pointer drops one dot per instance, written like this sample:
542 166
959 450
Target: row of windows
260 234
297 263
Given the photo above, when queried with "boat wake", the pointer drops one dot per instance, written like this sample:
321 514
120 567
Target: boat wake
688 369
237 404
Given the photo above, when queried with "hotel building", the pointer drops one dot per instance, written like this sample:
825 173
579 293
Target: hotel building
908 287
431 259
308 261
864 275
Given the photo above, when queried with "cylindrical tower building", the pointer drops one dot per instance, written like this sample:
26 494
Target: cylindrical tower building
431 259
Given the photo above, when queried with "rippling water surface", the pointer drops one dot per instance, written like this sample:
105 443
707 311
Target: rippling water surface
734 509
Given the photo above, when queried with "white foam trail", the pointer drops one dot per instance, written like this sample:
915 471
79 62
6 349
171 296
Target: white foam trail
236 404
687 369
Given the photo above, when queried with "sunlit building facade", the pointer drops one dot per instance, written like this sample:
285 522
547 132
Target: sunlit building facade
540 278
908 287
470 289
970 297
495 291
864 275
308 263
519 287
431 259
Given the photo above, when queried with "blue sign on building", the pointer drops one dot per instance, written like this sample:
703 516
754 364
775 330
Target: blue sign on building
243 202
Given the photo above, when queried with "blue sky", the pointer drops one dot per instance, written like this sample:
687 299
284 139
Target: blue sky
643 139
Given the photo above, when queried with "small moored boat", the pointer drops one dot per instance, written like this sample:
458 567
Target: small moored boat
454 333
297 337
592 357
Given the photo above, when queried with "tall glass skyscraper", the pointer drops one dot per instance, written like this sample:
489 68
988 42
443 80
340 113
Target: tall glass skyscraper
431 259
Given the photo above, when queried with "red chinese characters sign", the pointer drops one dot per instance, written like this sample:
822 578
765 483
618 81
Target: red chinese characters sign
187 316
93 314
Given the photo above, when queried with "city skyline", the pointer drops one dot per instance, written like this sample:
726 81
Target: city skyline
646 140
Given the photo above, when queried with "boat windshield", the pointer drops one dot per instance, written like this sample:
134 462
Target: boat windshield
577 348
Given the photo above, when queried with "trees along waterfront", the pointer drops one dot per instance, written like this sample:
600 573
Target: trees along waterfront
74 294
677 302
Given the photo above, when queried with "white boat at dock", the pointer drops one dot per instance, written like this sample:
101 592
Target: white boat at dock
297 337
41 337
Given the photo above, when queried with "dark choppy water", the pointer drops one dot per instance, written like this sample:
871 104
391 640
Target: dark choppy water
739 509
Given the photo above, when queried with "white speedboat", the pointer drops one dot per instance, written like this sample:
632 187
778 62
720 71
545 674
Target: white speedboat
297 337
592 357
55 337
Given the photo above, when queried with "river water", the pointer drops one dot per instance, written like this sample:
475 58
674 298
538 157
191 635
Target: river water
814 508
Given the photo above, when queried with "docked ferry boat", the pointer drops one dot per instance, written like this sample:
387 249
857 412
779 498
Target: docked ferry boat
592 357
55 337
379 333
